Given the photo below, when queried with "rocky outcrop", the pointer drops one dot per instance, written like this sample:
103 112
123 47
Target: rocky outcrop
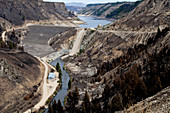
4 24
19 11
20 76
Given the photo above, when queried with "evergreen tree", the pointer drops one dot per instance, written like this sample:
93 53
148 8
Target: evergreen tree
75 96
57 66
116 103
59 107
106 96
72 100
86 103
54 106
50 108
69 105
69 84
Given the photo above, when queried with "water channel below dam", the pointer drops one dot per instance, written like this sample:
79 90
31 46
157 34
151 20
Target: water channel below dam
36 42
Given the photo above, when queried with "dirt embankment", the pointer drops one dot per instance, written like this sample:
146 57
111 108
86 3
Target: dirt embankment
39 46
20 76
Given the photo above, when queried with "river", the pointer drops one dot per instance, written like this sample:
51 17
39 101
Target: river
62 93
65 79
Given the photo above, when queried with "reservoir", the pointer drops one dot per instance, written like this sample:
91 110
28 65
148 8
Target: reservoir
92 22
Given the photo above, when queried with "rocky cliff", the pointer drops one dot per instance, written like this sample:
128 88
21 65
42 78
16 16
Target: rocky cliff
19 11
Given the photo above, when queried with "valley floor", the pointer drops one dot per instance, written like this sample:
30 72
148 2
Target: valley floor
48 87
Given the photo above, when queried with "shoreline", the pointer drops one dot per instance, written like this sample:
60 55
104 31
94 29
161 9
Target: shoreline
96 17
71 23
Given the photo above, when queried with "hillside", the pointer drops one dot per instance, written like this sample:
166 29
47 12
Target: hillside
156 103
19 11
20 76
121 64
63 40
109 10
148 16
4 24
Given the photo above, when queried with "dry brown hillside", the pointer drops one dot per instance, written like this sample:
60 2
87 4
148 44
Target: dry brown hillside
19 11
20 76
113 10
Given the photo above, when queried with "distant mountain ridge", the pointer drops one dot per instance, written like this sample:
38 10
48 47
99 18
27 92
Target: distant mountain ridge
75 6
109 10
80 4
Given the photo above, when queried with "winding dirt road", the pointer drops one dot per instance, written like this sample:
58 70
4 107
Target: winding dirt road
48 88
45 94
3 36
4 32
16 28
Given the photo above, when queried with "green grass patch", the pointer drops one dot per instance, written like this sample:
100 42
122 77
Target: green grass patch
65 100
